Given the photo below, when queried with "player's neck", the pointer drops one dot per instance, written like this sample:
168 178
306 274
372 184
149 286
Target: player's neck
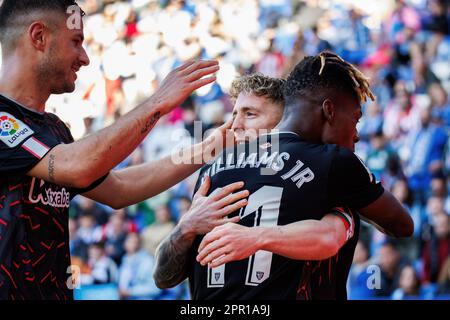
287 124
305 129
20 86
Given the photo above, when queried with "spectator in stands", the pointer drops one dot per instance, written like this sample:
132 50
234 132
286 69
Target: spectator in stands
372 122
444 279
182 206
77 247
391 264
437 248
88 207
409 247
378 155
88 231
159 230
102 269
393 172
272 62
409 285
114 234
426 148
440 105
358 280
135 280
401 114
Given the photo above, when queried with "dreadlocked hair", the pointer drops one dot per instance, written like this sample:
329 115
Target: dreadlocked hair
326 71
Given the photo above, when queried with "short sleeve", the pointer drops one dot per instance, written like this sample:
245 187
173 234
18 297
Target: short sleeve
91 187
346 216
350 182
21 147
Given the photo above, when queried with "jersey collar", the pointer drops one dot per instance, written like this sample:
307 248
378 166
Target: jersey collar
20 105
280 132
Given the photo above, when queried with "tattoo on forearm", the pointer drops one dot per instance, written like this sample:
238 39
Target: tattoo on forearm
151 123
172 260
51 168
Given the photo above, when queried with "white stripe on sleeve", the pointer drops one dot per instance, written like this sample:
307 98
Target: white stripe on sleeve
35 147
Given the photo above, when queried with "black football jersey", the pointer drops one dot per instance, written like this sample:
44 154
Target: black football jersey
289 180
34 239
327 279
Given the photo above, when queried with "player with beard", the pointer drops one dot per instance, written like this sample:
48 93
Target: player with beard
42 168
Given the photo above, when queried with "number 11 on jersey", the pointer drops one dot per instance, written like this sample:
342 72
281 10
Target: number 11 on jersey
265 203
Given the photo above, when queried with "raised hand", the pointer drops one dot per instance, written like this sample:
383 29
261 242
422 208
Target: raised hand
182 81
220 139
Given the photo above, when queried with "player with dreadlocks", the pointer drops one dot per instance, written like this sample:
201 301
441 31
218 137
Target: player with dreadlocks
263 256
327 92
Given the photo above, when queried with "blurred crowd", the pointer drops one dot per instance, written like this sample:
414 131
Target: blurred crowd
402 45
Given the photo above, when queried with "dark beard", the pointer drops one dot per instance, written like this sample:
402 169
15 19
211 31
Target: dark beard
51 73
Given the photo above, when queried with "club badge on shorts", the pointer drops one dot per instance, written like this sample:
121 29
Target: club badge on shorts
12 130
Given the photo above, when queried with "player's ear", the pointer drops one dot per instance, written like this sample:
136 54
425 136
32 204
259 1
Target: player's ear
38 35
328 110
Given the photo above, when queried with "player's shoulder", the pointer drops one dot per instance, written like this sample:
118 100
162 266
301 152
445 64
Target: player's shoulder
14 128
295 144
53 117
349 163
345 155
9 108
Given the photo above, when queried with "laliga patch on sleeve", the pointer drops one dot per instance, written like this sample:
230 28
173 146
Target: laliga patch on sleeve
12 130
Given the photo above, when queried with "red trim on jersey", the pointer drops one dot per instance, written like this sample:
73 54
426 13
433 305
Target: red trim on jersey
345 221
41 143
341 213
14 203
41 210
58 225
31 151
9 275
40 258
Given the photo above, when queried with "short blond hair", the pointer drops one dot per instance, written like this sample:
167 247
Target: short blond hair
260 85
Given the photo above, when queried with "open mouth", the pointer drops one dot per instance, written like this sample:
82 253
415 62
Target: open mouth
75 70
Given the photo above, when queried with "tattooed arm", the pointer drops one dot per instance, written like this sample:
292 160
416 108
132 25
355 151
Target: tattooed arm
206 213
132 185
172 259
135 184
81 163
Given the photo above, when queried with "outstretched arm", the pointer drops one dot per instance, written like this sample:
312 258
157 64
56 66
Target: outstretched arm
389 216
135 184
303 240
81 163
206 213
